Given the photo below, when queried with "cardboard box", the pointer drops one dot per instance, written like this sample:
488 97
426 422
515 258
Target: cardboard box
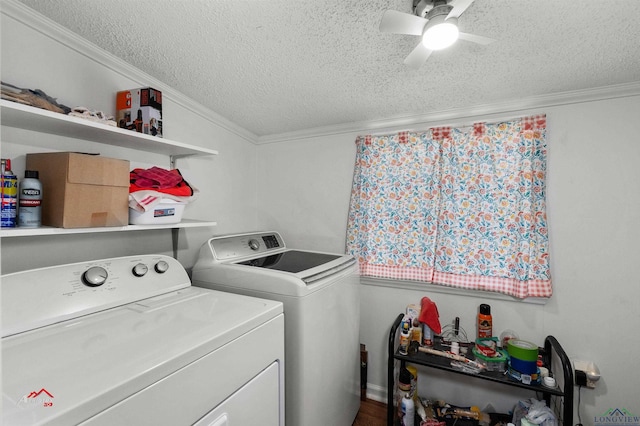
82 190
140 110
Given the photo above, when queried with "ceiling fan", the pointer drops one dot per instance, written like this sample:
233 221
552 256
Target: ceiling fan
436 21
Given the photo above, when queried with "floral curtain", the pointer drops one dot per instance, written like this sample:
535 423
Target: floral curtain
458 207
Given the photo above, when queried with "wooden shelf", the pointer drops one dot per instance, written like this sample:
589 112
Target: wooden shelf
40 120
49 231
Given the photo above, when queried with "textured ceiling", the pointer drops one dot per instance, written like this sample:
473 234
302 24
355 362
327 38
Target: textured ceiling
277 66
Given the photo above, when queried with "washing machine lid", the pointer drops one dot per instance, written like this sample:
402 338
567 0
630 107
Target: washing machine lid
67 372
294 261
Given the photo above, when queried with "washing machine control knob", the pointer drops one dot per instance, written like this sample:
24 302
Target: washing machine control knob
161 267
140 270
95 276
254 244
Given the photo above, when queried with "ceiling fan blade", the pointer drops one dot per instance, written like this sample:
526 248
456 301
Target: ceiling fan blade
418 56
475 38
401 23
459 6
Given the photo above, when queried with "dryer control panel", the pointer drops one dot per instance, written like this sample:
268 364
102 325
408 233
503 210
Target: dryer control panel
39 297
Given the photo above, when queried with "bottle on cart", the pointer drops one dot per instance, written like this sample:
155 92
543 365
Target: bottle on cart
405 337
404 388
408 411
485 322
9 202
30 202
414 381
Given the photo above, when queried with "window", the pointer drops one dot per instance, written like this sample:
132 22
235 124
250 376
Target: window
457 207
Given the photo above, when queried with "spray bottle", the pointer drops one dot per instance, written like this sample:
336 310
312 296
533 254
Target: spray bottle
485 322
408 411
9 202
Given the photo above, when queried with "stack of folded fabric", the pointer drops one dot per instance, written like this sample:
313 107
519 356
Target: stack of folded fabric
36 98
96 116
149 187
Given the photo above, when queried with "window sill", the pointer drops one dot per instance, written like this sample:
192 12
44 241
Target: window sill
421 286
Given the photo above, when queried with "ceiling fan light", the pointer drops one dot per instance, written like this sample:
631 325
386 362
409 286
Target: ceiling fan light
440 35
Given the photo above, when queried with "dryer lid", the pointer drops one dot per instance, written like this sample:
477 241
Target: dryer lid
81 337
67 372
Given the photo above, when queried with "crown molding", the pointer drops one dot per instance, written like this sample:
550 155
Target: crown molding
461 116
64 36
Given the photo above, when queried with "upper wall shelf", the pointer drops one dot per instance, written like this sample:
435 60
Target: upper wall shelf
48 230
20 116
40 120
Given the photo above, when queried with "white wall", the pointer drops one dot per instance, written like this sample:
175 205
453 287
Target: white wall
41 55
302 188
594 220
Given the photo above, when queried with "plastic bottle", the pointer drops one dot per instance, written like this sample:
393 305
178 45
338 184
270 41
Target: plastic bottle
29 206
485 322
416 331
455 348
405 337
404 387
408 411
427 335
9 202
414 381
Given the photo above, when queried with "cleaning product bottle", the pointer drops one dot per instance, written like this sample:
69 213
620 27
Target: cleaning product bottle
29 205
405 336
404 388
485 322
9 202
408 411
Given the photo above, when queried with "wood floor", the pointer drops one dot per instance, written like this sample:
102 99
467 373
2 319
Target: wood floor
372 413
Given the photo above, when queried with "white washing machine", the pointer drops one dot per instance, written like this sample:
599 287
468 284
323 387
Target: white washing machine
129 341
320 293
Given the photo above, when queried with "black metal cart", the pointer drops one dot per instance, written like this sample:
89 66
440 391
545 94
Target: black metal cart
552 355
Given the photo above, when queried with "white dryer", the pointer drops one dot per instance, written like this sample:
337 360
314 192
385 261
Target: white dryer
320 293
129 341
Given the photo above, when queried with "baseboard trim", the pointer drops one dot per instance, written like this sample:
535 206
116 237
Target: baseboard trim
376 393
